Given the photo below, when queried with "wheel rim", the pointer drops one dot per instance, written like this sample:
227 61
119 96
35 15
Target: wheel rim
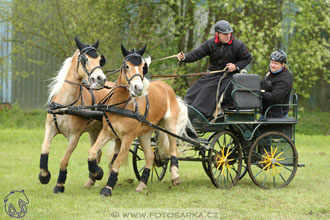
272 160
158 169
244 169
205 157
225 160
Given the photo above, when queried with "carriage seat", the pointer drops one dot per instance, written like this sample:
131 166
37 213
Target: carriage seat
242 94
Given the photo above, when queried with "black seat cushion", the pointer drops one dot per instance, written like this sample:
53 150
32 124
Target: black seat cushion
246 91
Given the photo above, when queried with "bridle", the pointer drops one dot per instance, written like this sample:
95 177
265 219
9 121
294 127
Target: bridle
83 59
145 70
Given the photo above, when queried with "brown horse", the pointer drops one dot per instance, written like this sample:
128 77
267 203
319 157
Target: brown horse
67 90
163 108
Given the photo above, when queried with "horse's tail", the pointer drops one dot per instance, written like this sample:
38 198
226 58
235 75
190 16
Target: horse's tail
183 122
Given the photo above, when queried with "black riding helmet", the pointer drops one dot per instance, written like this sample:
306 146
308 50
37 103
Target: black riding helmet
223 26
278 56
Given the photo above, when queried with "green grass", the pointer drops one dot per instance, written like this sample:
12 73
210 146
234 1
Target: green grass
306 197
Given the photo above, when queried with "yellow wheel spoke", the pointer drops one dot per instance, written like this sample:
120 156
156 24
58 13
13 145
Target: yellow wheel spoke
273 168
281 165
274 152
227 151
223 170
279 155
267 155
277 170
222 151
267 166
271 151
279 159
228 169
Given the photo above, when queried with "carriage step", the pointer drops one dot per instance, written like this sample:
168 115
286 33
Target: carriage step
301 165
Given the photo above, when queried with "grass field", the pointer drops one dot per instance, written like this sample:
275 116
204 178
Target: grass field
306 197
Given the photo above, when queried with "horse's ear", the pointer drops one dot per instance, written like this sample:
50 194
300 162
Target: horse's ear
96 45
124 51
142 50
79 44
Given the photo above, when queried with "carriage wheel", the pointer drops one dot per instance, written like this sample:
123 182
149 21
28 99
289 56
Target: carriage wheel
205 157
272 160
225 160
159 166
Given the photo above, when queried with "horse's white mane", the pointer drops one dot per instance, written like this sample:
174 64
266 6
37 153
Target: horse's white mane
57 81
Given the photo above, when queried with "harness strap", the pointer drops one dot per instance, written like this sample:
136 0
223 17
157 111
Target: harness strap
109 123
56 124
54 106
92 95
134 114
142 118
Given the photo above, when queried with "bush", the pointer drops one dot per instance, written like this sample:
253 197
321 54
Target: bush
15 117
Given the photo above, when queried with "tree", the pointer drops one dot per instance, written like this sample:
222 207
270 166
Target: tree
300 27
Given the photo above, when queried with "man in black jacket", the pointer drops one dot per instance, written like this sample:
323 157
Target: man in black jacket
277 86
224 51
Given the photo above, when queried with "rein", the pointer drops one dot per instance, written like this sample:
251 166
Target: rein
111 72
190 74
86 85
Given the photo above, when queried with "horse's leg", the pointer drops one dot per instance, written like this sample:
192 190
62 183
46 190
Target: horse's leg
145 142
170 125
101 140
73 141
122 155
50 133
174 161
116 151
91 179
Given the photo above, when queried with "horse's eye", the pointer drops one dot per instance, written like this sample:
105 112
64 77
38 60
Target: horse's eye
127 66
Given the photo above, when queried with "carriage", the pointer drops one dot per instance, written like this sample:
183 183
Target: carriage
232 144
237 142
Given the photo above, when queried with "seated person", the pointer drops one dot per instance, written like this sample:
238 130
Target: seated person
224 51
277 86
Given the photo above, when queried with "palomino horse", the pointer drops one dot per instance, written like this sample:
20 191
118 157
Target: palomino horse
154 100
65 91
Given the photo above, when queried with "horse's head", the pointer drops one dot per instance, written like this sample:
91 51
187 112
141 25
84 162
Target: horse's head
134 68
89 64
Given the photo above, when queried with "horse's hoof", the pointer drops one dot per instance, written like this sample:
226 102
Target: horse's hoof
142 186
99 175
44 179
106 191
89 183
176 181
58 189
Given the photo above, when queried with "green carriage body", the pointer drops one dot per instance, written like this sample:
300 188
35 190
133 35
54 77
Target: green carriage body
236 142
